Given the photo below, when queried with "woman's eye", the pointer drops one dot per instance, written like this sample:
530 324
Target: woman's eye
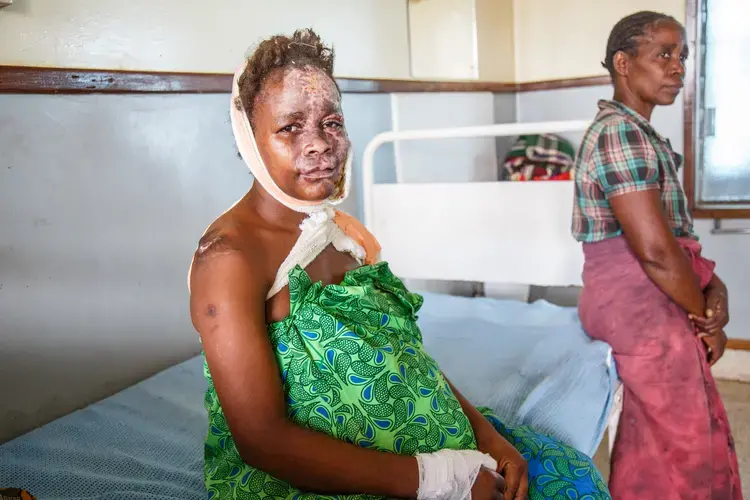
333 124
289 129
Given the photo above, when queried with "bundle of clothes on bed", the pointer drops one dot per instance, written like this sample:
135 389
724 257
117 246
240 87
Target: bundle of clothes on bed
539 157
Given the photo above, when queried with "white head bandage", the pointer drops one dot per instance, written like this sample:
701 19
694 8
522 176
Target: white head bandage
245 139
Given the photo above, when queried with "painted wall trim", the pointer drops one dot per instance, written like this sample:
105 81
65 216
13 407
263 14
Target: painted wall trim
567 83
739 344
37 80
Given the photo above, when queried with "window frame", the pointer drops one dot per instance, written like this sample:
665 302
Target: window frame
695 14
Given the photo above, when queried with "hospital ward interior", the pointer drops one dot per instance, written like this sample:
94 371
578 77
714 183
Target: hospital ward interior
369 249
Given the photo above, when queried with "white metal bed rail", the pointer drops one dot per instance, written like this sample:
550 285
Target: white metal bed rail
497 130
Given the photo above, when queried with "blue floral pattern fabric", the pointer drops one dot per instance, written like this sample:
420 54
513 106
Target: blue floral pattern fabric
556 471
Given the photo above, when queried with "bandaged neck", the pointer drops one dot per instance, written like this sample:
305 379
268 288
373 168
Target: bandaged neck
318 230
245 140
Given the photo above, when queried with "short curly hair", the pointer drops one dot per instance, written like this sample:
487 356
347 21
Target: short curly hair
626 35
303 48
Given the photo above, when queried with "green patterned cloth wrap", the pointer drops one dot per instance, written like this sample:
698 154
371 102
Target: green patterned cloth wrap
353 367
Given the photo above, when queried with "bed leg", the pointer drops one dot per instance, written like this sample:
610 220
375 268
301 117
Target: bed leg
614 419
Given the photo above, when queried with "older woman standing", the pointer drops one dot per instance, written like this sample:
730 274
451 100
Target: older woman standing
647 291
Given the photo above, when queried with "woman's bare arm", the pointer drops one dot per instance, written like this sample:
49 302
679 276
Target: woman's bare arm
716 284
646 229
228 310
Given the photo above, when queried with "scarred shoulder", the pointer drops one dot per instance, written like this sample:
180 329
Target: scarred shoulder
221 238
228 273
225 246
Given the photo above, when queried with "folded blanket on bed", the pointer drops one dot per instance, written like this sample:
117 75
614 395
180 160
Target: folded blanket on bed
539 157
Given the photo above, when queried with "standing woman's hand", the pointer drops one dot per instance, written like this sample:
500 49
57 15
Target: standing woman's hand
717 312
710 326
715 345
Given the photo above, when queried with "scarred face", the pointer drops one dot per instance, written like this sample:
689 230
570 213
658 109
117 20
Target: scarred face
300 133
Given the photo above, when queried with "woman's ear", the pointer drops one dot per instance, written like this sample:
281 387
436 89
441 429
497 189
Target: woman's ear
621 61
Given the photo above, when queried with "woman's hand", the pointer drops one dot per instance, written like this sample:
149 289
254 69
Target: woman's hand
717 312
489 485
715 345
510 464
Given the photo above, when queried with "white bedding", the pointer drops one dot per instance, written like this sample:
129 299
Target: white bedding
531 363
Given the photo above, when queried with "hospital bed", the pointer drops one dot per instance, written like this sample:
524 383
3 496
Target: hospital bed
530 362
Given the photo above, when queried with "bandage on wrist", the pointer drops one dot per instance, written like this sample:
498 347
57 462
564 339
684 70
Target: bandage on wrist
450 474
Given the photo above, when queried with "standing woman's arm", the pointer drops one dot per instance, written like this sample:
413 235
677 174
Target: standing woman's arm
628 169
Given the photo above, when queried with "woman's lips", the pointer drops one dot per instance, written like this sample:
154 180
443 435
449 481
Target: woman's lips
320 173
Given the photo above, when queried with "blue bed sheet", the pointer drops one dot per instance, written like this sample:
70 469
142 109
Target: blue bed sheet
531 363
144 443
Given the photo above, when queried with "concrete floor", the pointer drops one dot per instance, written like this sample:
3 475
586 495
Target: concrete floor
736 397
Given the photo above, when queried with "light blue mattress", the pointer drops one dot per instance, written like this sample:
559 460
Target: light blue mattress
531 363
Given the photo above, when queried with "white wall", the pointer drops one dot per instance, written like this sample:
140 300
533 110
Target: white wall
462 40
102 200
370 36
496 51
517 40
498 40
442 38
450 160
559 40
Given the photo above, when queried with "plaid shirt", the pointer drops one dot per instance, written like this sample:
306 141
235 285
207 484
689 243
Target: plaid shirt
622 153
